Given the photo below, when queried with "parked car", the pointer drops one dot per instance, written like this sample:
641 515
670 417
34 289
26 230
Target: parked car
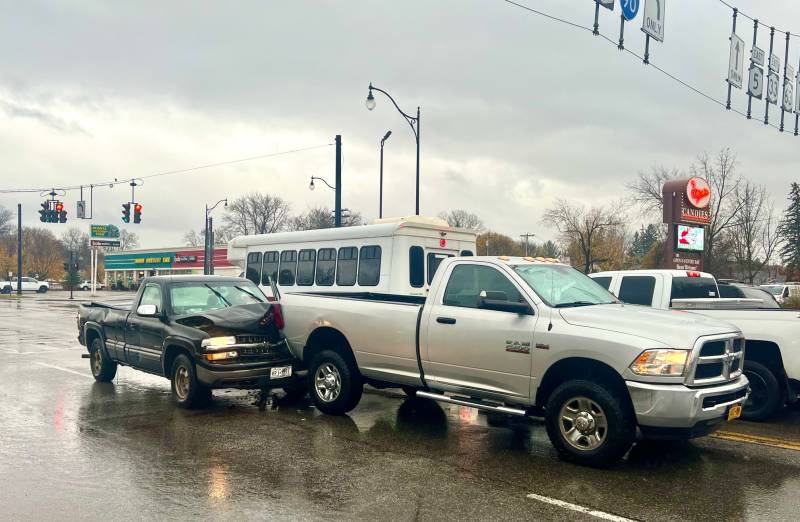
87 285
735 289
782 291
522 336
29 284
772 361
201 332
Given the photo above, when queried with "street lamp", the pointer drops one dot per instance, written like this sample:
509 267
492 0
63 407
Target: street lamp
380 192
412 121
208 247
337 213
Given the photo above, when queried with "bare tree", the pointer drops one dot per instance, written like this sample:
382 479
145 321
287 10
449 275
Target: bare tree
193 239
583 227
753 235
128 240
6 221
322 217
460 218
256 213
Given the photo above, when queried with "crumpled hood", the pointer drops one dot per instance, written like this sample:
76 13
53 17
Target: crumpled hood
255 318
673 328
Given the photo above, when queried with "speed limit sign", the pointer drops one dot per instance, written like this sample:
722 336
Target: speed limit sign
755 86
773 87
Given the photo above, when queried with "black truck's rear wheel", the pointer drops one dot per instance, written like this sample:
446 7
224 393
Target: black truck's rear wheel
103 368
334 386
187 391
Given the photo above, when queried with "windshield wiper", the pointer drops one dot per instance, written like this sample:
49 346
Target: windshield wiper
248 293
227 303
576 303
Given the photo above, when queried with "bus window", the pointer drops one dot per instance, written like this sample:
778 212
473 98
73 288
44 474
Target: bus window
326 266
305 267
288 267
346 266
269 271
253 272
416 267
434 260
369 266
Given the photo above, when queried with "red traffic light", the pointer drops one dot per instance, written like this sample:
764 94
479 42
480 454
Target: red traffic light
137 207
59 206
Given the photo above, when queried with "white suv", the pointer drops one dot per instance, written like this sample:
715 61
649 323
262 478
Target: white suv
29 284
87 285
782 290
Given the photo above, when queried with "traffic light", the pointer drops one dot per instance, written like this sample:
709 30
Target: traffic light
126 212
61 214
137 213
44 213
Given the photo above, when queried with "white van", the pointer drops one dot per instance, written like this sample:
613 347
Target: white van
395 256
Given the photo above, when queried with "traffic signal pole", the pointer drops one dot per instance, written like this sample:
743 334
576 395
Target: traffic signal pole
19 249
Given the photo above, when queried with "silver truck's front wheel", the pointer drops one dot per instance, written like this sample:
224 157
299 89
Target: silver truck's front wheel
328 382
583 423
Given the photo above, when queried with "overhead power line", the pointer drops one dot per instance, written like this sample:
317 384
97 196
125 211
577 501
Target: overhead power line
732 7
117 181
649 62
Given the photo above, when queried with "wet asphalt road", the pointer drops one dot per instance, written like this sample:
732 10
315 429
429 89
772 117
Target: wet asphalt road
72 448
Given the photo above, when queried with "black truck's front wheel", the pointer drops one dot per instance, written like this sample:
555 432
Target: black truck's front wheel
588 424
103 368
334 386
187 391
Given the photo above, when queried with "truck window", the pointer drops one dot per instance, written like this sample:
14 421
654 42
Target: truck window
151 296
434 260
637 290
369 265
726 290
604 281
269 270
346 266
468 281
416 267
287 268
253 272
305 267
326 266
466 253
693 288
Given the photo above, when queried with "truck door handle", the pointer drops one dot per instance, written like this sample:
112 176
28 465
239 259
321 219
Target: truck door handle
445 320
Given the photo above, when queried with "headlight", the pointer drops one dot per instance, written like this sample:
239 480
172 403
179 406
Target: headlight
221 356
661 363
218 342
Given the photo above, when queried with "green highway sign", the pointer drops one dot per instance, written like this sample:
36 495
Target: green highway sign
104 232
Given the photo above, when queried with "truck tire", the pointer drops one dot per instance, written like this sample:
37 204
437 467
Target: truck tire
42 290
589 424
187 391
410 391
334 386
103 368
765 392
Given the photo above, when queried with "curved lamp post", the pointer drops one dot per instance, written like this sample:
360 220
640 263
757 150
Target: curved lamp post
380 190
412 122
208 252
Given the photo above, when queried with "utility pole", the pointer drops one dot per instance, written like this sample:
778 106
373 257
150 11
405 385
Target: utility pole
338 183
19 249
526 236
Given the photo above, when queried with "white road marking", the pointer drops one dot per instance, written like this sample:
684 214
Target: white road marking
579 509
63 369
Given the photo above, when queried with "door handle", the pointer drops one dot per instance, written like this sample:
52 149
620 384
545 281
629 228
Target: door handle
445 320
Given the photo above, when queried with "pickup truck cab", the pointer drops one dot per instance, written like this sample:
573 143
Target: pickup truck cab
772 361
29 284
201 332
526 336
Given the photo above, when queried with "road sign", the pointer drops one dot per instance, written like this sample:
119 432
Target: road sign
797 98
104 232
788 96
774 63
653 19
608 4
789 72
773 87
757 56
755 85
104 243
81 213
629 8
736 62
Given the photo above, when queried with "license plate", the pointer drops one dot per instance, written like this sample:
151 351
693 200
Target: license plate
280 373
735 412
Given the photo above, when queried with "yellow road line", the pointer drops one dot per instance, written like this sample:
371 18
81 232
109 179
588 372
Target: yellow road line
757 439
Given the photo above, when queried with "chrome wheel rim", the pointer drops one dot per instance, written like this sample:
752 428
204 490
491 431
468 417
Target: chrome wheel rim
182 382
97 362
328 382
583 424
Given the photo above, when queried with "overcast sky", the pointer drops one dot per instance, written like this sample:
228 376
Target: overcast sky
517 110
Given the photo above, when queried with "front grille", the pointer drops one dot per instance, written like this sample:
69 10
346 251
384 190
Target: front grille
710 402
713 349
708 371
718 360
251 339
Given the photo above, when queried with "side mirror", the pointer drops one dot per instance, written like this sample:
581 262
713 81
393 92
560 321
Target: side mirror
498 301
147 310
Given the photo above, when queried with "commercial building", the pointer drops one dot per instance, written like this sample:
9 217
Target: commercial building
128 268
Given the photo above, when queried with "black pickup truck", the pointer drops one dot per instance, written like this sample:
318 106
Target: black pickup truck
201 332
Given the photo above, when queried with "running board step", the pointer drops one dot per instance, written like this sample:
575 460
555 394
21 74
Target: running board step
471 403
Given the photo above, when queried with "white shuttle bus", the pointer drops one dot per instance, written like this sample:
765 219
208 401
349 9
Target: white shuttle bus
396 256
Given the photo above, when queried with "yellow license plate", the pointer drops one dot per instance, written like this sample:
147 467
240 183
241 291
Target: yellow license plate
735 412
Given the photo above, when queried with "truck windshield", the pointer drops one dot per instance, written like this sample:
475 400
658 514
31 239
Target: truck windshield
197 297
693 288
562 286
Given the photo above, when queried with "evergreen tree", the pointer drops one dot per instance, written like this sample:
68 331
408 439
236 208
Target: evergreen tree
789 232
643 241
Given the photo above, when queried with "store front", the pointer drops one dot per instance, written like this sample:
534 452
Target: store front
125 270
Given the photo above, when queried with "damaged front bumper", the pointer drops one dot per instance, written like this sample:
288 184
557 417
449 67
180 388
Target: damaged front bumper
253 367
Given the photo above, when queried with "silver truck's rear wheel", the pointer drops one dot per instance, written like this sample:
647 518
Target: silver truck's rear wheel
334 385
103 368
589 423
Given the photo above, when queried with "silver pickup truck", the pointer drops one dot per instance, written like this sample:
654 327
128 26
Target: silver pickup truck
526 337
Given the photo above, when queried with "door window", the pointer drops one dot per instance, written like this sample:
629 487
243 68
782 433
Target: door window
369 266
604 281
346 266
416 267
434 260
305 267
253 272
269 271
288 268
637 290
468 281
326 266
151 296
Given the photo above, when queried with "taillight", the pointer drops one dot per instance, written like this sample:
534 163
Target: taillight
277 315
693 274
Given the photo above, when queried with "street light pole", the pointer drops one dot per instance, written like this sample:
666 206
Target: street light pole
380 190
337 207
208 244
413 122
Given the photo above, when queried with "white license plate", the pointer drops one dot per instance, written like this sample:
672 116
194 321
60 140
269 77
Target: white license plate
280 373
